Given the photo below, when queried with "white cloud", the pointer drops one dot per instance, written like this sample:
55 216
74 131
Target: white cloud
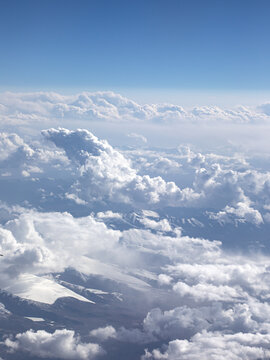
106 174
62 344
109 215
19 159
241 213
159 165
29 241
76 199
164 279
208 292
103 333
189 324
215 346
162 225
10 143
30 249
101 173
184 322
109 106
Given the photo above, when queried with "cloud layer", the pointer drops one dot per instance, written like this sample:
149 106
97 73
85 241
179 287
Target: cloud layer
106 173
109 106
62 344
152 222
220 296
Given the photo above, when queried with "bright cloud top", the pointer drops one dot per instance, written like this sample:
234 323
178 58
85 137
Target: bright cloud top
62 344
106 173
20 108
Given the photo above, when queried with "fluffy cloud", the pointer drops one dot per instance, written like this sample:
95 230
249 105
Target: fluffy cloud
20 160
29 246
10 144
214 332
162 225
21 108
226 183
184 322
15 155
214 346
106 174
103 174
126 335
62 344
241 213
234 192
104 333
224 297
221 279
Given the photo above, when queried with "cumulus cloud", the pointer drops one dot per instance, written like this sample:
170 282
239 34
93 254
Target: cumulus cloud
103 174
19 159
28 241
31 251
224 297
15 155
108 106
106 174
220 280
233 329
226 183
234 192
162 225
241 213
184 321
61 344
214 346
158 164
104 333
122 334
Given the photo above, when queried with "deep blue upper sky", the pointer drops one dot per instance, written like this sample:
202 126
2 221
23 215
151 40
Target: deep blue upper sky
189 44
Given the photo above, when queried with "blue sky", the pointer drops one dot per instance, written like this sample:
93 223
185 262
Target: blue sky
142 44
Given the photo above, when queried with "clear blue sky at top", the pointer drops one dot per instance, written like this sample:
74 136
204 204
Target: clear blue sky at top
191 44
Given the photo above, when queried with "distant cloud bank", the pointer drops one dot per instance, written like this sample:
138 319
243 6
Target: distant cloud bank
41 107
